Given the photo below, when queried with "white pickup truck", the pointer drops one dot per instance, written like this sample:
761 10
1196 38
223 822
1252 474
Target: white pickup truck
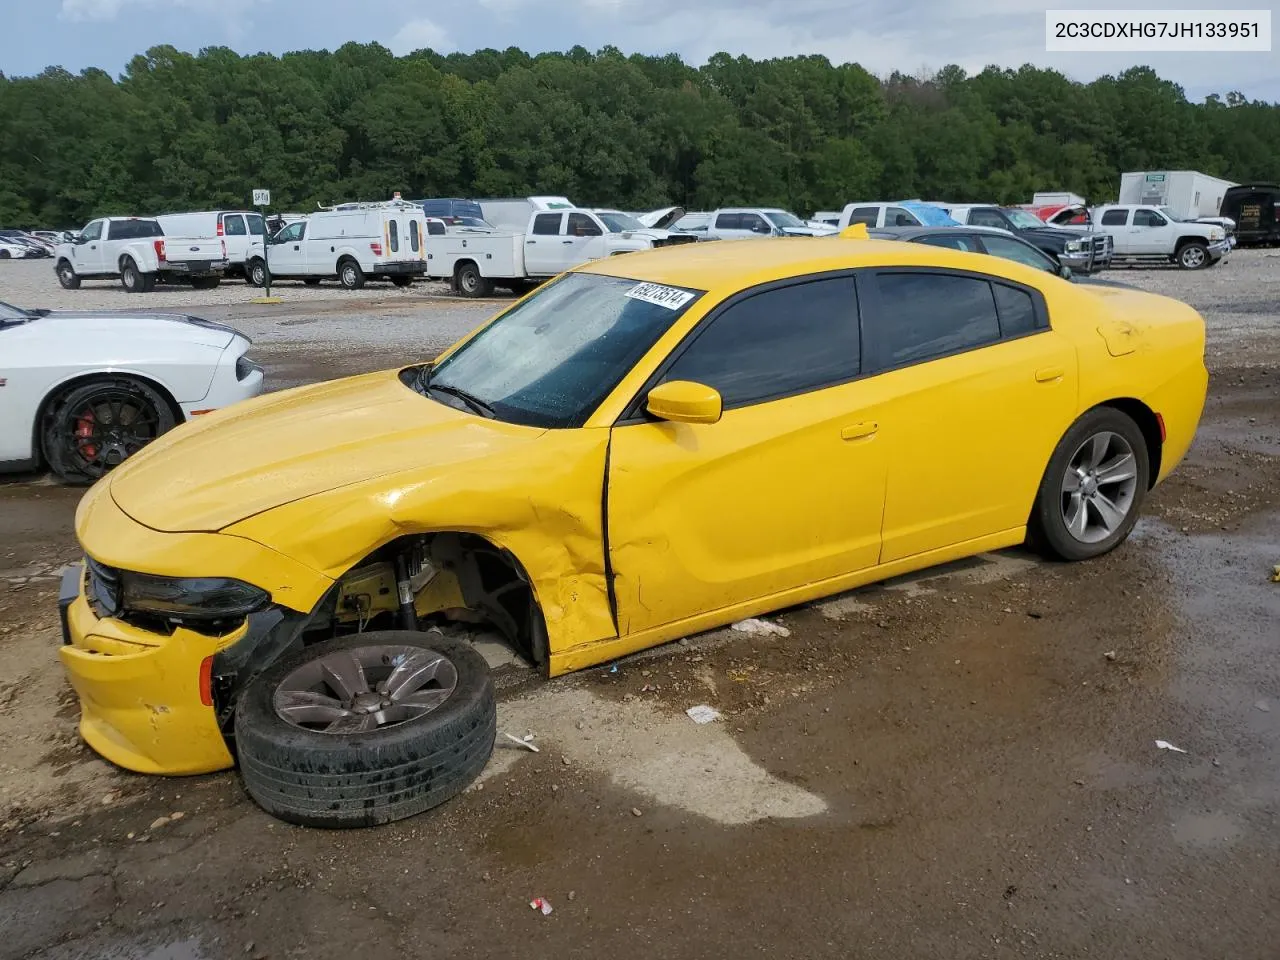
136 251
1150 234
555 241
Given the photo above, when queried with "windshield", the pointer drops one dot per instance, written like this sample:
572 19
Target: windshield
780 218
1021 218
9 312
619 222
551 360
1168 212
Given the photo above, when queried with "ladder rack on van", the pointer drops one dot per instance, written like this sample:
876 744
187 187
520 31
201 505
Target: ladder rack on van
372 205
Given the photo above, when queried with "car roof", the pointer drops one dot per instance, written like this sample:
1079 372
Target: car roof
727 267
912 233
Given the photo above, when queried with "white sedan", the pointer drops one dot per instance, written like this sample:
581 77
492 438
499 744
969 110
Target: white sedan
80 392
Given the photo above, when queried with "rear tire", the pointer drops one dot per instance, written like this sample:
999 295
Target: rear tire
395 767
350 275
133 279
67 276
471 283
1093 488
96 426
311 282
402 281
255 273
205 283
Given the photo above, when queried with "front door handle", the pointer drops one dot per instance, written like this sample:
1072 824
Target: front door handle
857 431
527 243
566 242
1049 374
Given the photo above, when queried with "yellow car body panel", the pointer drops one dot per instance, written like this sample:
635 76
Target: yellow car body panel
698 524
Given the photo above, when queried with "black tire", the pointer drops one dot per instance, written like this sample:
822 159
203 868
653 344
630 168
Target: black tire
133 279
72 455
402 281
5 255
349 274
255 273
470 282
312 282
67 276
1192 256
334 780
205 283
1049 525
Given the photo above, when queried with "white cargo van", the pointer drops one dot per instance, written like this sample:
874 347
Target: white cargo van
353 242
243 231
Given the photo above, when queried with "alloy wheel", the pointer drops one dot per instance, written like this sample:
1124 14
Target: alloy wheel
1099 487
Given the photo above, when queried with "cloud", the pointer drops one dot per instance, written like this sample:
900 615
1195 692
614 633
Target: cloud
102 11
421 34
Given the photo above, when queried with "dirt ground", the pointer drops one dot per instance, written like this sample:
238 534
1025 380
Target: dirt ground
957 764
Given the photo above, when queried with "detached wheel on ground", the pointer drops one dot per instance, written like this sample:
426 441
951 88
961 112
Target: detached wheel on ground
1093 488
364 730
1193 256
134 280
470 282
350 275
97 426
67 277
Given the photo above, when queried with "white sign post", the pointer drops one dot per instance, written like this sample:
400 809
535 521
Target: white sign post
262 200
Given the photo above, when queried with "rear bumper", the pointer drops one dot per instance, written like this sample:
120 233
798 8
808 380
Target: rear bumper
1180 403
194 268
400 268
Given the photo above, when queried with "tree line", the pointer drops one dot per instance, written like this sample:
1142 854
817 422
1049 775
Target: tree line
179 131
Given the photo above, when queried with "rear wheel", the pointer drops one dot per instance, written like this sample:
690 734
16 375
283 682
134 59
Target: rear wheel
1093 488
402 281
205 283
1193 256
350 274
256 273
134 280
97 426
365 730
4 255
311 282
67 276
471 283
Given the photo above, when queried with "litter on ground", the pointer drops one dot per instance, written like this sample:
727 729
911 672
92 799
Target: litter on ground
761 628
526 742
703 713
541 904
1166 745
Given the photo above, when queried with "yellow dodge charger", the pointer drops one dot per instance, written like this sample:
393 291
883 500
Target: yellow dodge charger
646 447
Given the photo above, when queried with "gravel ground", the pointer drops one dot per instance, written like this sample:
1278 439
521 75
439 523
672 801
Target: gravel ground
957 764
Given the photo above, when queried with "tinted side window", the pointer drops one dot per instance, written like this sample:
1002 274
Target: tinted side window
415 241
926 315
436 228
1019 252
580 225
234 226
867 215
962 241
898 217
256 226
779 342
1017 310
986 217
393 235
1115 218
729 221
547 224
1147 218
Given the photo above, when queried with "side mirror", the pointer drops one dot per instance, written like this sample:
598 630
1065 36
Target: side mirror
1064 271
78 238
682 401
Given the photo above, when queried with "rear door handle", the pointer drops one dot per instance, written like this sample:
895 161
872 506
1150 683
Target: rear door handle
1049 374
857 431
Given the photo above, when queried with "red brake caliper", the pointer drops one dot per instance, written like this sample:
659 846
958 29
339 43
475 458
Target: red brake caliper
84 430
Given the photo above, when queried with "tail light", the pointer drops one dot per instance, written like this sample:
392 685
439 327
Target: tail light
376 248
221 229
159 245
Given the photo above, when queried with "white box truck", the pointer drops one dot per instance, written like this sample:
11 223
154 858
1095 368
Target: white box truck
1189 194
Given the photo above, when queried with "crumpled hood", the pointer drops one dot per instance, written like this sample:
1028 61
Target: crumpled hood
1054 234
282 447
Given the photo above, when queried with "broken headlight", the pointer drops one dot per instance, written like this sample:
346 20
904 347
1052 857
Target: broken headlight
190 598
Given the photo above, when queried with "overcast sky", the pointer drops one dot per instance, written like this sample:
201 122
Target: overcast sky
882 35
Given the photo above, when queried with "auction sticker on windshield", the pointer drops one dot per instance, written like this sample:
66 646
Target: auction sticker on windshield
673 298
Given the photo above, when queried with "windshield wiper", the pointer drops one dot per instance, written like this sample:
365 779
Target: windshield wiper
475 403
